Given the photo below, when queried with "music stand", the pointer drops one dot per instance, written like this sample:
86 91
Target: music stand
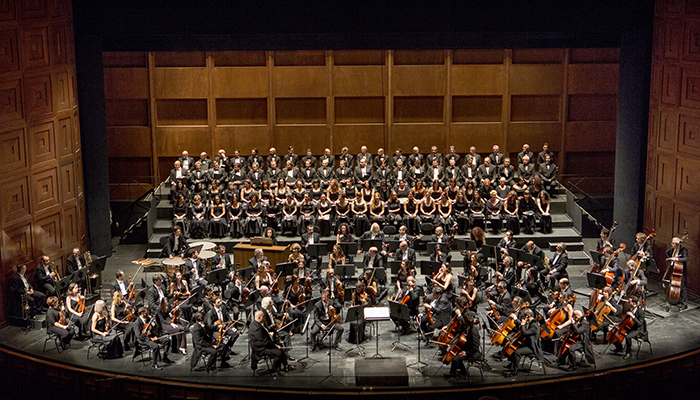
367 243
595 256
246 273
344 271
523 295
429 268
531 259
349 248
465 244
197 293
393 246
63 284
394 266
316 251
356 313
377 314
651 265
348 294
430 247
596 281
217 276
398 312
305 330
491 252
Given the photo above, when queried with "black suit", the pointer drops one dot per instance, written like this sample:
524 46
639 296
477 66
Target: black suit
115 286
683 259
321 318
410 256
171 250
261 345
72 264
145 340
43 281
496 159
559 264
305 239
536 251
201 272
35 300
203 341
489 174
153 297
440 310
378 260
253 262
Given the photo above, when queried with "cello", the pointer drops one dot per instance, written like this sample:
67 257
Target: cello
500 335
557 318
674 289
617 334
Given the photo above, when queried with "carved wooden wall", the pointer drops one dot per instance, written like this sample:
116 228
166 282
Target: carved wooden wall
41 201
161 103
673 162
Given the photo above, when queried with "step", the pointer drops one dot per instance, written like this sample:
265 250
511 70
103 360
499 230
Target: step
571 246
575 257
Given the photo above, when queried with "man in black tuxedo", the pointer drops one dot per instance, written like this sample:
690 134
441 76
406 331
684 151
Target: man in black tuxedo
150 339
328 156
405 253
440 307
19 284
156 293
186 162
261 345
44 277
309 237
120 284
195 271
495 156
372 258
218 317
221 259
203 342
257 259
403 234
526 152
548 173
176 244
75 262
322 321
487 170
558 265
531 248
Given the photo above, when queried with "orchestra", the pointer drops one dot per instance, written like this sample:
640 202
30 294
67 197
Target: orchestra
527 306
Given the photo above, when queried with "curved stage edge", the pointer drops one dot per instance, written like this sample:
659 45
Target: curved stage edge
28 376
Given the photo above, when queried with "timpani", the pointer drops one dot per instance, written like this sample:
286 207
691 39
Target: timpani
173 265
206 256
205 245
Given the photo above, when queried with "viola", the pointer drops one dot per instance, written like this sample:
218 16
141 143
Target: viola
130 316
493 309
176 311
335 317
81 305
62 318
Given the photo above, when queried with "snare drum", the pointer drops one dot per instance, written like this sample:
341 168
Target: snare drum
173 265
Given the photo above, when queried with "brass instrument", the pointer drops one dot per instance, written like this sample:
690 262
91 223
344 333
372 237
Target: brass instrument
88 257
26 312
54 269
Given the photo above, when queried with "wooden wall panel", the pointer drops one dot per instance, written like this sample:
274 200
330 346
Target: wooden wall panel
534 134
593 78
243 138
590 136
180 83
477 80
535 108
419 80
478 56
689 135
301 82
129 141
16 202
592 107
360 81
240 82
668 128
45 191
10 100
355 136
179 59
418 109
690 88
42 144
687 182
665 173
477 108
127 112
315 138
124 59
13 151
595 55
422 135
538 56
670 84
170 142
358 57
300 58
536 79
241 111
300 111
239 58
181 112
61 90
419 57
126 83
480 135
355 110
68 192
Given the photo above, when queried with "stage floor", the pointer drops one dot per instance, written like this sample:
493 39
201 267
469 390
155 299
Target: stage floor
670 334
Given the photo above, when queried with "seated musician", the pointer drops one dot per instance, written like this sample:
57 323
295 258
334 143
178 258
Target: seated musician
370 286
75 262
295 302
443 279
156 293
440 308
598 320
642 247
101 332
195 271
559 264
440 256
181 292
120 284
374 233
471 348
176 245
578 340
119 312
208 299
261 345
45 276
74 316
332 283
405 270
636 313
612 267
529 328
501 302
564 287
272 320
534 286
322 322
634 285
220 259
54 324
507 273
203 341
169 326
357 327
561 304
233 293
409 295
403 235
373 258
405 253
219 321
19 285
146 336
469 291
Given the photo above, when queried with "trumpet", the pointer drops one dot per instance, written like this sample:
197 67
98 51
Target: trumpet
88 257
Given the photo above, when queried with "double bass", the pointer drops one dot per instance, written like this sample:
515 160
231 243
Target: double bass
674 289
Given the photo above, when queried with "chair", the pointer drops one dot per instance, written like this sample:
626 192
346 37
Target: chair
254 361
95 343
389 230
426 229
163 240
643 338
477 363
532 358
198 356
139 349
56 339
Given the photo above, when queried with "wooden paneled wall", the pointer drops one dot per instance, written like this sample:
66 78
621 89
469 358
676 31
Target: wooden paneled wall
41 202
673 160
161 103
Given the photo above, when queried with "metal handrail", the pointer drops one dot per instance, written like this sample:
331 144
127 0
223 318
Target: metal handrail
133 179
570 185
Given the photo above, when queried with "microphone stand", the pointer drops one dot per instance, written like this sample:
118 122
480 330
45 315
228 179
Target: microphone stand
420 365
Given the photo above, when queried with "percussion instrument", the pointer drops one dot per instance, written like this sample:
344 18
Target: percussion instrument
205 246
173 265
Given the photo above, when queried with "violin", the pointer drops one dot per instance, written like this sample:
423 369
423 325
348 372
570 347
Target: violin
341 290
407 296
335 317
307 285
130 316
176 311
131 290
81 305
493 309
429 316
147 328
